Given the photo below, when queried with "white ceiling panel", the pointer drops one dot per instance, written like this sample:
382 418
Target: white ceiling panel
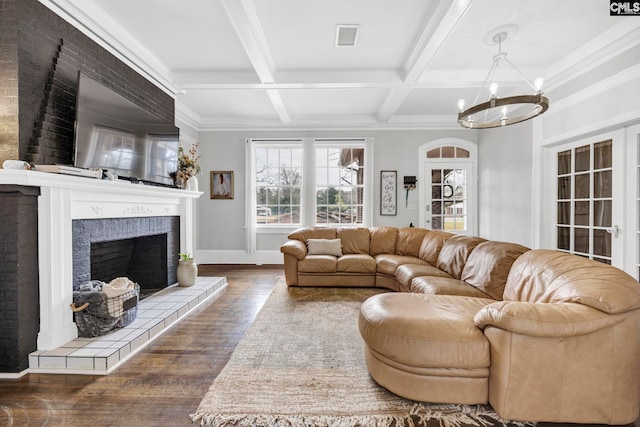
229 103
318 102
301 33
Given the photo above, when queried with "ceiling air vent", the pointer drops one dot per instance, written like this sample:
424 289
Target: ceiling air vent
346 35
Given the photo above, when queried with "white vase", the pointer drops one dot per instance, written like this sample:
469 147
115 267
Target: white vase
192 184
187 272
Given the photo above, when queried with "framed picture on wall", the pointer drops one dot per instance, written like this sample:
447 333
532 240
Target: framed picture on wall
388 193
221 184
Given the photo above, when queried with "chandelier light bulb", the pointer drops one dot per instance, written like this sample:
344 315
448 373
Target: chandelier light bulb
537 83
493 90
504 113
461 105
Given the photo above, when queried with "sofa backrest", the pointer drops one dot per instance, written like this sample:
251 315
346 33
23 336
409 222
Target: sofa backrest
432 245
547 276
383 240
454 253
305 233
488 266
354 240
409 241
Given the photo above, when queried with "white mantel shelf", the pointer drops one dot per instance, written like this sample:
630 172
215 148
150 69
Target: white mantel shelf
64 198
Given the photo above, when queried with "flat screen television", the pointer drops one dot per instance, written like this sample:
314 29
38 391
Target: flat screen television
115 134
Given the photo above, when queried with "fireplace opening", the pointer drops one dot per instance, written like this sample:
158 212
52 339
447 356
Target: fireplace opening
141 259
144 249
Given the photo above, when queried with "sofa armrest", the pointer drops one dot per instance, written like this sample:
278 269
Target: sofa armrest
545 319
295 248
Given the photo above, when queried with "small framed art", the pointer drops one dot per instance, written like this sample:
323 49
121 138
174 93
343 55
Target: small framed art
221 184
388 192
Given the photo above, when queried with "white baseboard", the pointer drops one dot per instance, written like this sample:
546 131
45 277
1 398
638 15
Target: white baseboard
13 376
238 257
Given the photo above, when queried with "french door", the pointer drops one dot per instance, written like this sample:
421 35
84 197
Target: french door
589 198
449 196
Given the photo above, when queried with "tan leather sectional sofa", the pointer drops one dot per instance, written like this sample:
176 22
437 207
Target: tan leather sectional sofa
538 334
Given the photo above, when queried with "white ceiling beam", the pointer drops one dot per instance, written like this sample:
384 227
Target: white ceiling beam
244 19
436 31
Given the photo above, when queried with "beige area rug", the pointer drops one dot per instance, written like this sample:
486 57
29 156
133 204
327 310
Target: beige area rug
301 364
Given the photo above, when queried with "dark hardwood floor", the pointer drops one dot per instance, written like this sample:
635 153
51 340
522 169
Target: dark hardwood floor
165 382
161 385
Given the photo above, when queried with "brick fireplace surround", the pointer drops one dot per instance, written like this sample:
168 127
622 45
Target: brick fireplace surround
61 201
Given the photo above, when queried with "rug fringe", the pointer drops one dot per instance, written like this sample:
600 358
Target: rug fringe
456 415
254 420
444 415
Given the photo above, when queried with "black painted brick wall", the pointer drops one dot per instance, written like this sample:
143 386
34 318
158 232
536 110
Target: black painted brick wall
88 231
50 54
19 293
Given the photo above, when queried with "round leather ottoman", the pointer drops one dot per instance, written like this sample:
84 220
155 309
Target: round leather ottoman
426 347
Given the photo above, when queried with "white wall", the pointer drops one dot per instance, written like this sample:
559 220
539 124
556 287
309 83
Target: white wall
221 234
505 185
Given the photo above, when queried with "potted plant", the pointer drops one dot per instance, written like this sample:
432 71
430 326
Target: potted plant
187 271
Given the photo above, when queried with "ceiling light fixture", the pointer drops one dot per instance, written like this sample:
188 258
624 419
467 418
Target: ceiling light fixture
512 109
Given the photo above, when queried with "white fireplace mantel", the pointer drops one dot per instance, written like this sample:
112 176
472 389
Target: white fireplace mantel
64 198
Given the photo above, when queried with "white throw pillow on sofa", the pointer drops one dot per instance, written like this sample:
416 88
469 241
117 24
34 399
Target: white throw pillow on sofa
324 247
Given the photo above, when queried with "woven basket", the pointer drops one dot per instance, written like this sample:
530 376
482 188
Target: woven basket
96 314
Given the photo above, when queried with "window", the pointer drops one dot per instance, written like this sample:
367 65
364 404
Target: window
339 183
308 182
278 172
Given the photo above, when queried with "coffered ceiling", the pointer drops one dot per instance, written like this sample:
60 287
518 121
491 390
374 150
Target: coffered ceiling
274 64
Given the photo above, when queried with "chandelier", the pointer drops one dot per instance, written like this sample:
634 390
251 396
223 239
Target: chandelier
497 112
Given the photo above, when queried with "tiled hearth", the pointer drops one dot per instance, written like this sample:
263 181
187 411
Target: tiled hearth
101 355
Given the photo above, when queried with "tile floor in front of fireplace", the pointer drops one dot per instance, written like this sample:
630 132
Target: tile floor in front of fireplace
101 355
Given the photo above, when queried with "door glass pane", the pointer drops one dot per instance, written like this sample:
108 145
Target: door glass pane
462 153
436 192
582 186
564 188
433 154
602 213
564 162
581 240
564 213
601 243
564 238
602 155
583 158
448 152
581 215
602 184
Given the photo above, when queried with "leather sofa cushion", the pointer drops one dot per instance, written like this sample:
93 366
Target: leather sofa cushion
387 263
383 240
432 245
357 263
407 272
305 233
488 266
318 264
425 330
354 240
410 240
455 252
444 286
544 275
